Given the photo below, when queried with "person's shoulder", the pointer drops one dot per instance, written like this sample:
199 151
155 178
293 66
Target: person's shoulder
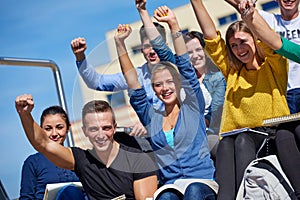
35 157
127 148
268 15
134 154
218 75
78 150
143 66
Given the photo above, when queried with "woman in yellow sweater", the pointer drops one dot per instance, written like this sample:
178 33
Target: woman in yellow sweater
256 90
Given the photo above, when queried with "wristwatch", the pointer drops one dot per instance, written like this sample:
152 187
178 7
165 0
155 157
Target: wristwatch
176 34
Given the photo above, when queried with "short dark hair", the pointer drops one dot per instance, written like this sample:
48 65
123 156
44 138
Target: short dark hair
194 34
53 110
97 106
160 28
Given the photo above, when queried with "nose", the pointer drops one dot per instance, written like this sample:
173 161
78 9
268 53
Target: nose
194 54
100 135
54 131
165 86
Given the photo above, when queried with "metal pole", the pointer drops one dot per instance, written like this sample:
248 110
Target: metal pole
58 82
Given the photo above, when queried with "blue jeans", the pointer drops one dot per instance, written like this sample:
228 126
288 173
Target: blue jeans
195 191
293 99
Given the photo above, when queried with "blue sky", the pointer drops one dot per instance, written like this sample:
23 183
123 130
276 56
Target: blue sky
43 30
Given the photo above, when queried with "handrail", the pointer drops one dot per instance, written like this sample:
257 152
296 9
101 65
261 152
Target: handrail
58 82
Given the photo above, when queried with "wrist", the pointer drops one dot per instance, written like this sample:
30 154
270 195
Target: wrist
173 25
176 34
80 57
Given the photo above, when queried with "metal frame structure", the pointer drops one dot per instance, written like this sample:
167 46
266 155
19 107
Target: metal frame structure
23 62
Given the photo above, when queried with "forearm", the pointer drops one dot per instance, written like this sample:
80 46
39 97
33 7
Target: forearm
33 131
163 50
205 22
263 31
127 67
145 187
88 74
79 57
150 28
178 41
289 50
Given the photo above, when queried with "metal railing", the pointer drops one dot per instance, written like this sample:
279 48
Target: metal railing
23 62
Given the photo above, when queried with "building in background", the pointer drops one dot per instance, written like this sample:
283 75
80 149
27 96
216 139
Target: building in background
222 15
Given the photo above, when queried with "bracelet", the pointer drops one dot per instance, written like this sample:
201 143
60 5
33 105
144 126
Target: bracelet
176 34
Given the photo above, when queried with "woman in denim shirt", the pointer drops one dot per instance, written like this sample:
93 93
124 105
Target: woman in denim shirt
177 134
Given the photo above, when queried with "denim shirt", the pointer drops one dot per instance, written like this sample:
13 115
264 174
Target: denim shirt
190 157
166 54
116 82
215 83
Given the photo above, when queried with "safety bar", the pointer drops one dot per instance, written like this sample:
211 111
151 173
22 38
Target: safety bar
58 82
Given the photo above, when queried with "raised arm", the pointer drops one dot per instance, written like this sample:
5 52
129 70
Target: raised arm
205 22
92 79
263 31
128 70
258 25
78 46
150 28
55 152
164 14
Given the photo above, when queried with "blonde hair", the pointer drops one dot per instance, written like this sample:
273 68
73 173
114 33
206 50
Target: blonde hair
240 26
165 65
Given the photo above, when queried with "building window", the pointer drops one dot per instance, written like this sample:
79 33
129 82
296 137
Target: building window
269 5
136 49
184 31
228 19
116 99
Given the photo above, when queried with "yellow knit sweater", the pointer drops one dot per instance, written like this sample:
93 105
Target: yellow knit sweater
251 95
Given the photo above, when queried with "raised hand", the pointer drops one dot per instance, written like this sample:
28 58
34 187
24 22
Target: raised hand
79 46
123 31
138 130
24 103
246 8
140 4
165 14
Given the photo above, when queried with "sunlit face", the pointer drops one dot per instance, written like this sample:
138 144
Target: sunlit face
289 5
55 127
148 52
197 54
100 129
164 86
243 46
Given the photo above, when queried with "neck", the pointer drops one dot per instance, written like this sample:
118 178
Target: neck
289 15
255 64
150 67
169 109
107 157
200 72
170 119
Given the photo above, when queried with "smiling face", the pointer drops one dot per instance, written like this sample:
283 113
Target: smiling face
100 128
289 8
197 55
148 52
165 86
55 127
243 46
